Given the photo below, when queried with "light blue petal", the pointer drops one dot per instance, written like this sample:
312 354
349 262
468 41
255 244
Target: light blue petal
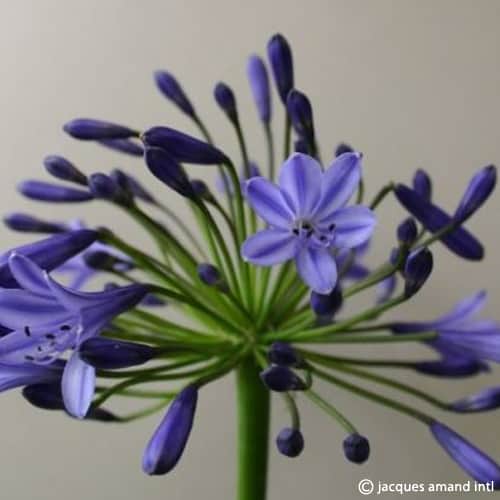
317 268
27 274
353 226
269 247
78 385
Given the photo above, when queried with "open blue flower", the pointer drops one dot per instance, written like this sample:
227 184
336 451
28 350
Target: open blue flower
461 337
308 217
48 319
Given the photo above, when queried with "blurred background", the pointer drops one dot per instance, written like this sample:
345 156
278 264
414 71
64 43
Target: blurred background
409 83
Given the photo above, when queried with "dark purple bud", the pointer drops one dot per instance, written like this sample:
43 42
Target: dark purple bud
49 253
281 61
183 147
290 442
120 178
45 191
259 83
281 379
301 115
152 300
283 354
59 167
104 261
418 268
471 459
226 101
88 129
102 186
343 148
165 168
356 448
300 146
459 241
484 400
478 191
452 366
394 256
110 354
200 188
169 440
126 146
170 88
422 184
209 274
326 305
131 185
407 232
29 224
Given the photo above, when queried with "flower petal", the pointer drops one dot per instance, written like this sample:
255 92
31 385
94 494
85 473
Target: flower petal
317 267
27 274
269 247
27 373
353 225
339 183
78 384
300 182
463 310
266 199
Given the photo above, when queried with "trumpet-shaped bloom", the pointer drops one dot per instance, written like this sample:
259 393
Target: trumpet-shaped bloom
47 319
461 337
308 217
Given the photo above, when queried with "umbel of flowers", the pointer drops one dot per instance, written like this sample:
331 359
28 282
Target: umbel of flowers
262 284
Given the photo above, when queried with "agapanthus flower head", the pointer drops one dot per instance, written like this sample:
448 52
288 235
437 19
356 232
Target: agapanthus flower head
478 191
484 400
461 337
280 378
356 448
61 168
127 146
290 442
326 304
27 223
54 193
476 463
111 354
308 217
224 97
418 267
89 129
183 147
281 61
283 354
169 86
165 168
170 438
259 83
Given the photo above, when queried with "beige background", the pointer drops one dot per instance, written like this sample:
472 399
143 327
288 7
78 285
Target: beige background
410 83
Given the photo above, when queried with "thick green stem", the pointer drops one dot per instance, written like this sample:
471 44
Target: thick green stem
253 432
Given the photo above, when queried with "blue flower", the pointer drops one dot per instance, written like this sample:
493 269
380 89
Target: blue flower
461 337
26 223
48 319
476 463
259 83
308 217
55 193
172 90
89 129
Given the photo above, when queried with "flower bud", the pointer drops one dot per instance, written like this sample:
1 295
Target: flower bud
259 83
170 88
45 191
343 148
422 184
290 442
301 115
300 146
88 129
104 261
126 146
484 400
200 188
407 232
326 305
169 440
280 58
283 354
183 147
131 185
418 268
478 191
29 224
59 167
281 379
112 354
104 187
226 101
165 168
209 274
356 448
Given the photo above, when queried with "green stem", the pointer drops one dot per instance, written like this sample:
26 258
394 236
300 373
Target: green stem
253 432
